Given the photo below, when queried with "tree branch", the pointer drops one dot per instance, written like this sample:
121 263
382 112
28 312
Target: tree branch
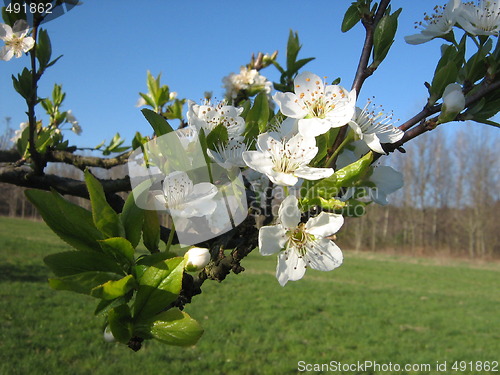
9 156
25 177
363 72
82 162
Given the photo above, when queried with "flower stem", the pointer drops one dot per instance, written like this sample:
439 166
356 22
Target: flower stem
170 237
331 160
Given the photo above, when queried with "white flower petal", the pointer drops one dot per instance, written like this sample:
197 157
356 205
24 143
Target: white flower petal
6 53
373 142
324 256
390 134
387 180
312 127
295 265
204 189
325 224
271 239
289 105
310 173
289 213
307 85
5 31
281 269
20 28
258 161
281 178
417 39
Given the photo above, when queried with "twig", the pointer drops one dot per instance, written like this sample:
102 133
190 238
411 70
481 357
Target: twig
362 72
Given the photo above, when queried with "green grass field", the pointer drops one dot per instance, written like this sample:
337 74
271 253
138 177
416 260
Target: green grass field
378 308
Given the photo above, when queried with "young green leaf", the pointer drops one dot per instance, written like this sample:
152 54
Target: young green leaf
257 117
351 17
157 122
114 288
82 282
77 228
43 49
217 137
158 287
151 230
120 323
119 249
75 262
105 218
175 327
132 218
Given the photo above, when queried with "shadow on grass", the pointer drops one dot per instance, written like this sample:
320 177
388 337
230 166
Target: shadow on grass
27 273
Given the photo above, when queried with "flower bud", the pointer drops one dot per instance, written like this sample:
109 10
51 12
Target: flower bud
196 259
108 336
453 102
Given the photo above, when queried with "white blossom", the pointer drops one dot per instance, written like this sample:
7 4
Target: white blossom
438 24
374 128
301 245
75 126
230 154
18 133
16 40
208 117
183 199
249 80
318 107
482 18
285 161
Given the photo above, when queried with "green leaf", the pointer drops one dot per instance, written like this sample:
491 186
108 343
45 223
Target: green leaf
151 230
43 49
159 286
300 63
351 18
217 137
75 262
153 86
77 228
120 323
157 122
204 147
175 327
114 289
23 84
119 249
257 117
105 218
132 218
82 282
329 187
383 37
322 144
292 49
442 78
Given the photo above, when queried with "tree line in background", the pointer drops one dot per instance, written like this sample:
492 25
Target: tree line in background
448 206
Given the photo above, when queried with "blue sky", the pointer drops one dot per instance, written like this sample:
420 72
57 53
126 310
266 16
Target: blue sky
109 45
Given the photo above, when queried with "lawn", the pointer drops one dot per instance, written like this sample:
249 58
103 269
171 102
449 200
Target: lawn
379 308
